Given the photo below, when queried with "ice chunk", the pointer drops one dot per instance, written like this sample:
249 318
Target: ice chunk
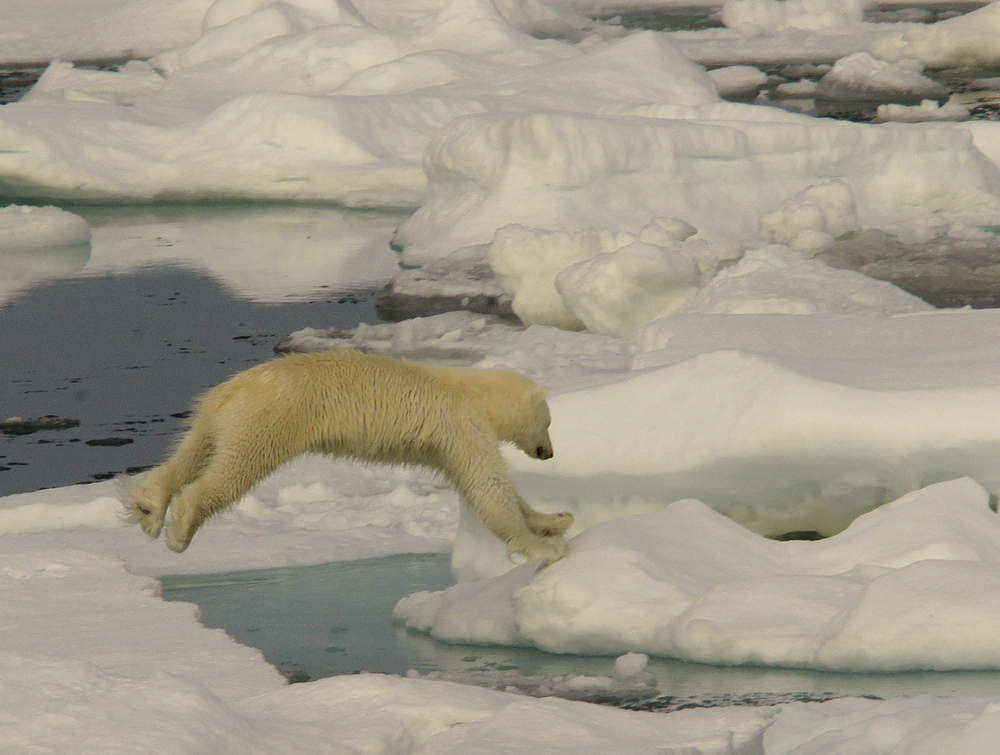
860 76
738 82
827 208
927 110
527 262
913 585
618 292
808 15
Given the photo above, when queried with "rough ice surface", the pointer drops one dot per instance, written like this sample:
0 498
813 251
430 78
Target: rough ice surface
776 395
37 31
567 171
806 15
779 280
550 191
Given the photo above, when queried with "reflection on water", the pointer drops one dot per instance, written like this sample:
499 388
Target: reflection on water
21 269
125 355
268 252
313 622
167 302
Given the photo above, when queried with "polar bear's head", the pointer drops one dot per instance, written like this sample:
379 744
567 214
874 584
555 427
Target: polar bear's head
512 404
520 414
532 434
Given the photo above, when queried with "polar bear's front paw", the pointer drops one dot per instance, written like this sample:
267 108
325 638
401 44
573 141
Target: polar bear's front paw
549 525
536 548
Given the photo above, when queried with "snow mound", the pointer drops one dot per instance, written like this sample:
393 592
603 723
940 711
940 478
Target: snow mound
910 586
330 100
466 338
779 280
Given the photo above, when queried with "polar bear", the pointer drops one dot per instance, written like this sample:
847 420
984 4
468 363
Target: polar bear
349 403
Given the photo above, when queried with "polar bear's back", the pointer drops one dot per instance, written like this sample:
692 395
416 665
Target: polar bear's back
345 402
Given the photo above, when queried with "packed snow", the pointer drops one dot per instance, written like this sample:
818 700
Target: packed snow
714 383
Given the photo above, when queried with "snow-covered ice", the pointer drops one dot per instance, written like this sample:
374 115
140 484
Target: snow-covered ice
910 586
971 39
782 422
822 604
713 382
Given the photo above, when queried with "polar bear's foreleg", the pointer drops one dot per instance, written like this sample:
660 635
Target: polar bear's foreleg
480 476
546 525
497 506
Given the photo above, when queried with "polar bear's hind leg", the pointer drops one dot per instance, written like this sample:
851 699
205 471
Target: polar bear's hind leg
149 498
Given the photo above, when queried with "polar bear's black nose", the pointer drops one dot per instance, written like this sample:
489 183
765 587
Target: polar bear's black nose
543 453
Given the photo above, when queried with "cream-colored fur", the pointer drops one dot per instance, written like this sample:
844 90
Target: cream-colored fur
347 403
